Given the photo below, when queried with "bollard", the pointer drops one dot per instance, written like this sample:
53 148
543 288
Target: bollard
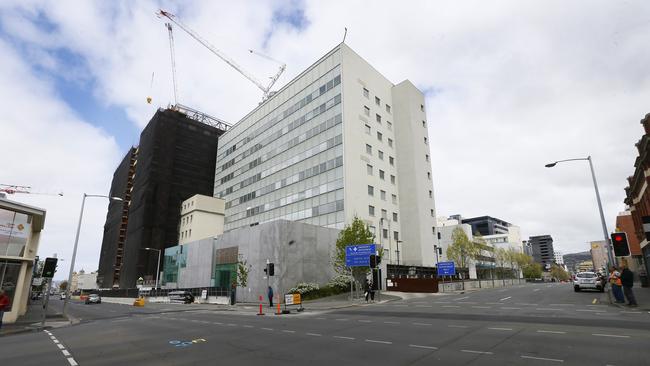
278 312
261 312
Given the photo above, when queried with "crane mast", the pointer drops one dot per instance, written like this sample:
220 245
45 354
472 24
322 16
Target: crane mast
173 60
266 89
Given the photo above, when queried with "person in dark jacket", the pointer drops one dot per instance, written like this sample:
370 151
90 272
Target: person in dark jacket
627 279
270 295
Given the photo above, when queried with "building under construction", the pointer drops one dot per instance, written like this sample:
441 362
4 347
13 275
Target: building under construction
174 160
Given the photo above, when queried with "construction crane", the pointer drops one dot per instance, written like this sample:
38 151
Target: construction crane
173 60
266 89
13 189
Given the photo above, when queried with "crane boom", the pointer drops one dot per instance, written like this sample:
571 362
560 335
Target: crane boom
13 189
173 60
265 89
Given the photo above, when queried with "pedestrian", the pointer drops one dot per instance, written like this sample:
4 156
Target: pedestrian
233 293
615 282
372 291
627 279
366 288
270 295
4 304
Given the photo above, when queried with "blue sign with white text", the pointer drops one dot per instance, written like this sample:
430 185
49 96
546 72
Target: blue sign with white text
358 255
446 269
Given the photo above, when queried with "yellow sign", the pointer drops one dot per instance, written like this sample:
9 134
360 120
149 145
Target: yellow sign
292 299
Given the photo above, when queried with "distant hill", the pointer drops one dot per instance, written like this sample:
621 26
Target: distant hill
572 259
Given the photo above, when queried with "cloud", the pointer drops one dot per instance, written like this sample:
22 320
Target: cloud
510 85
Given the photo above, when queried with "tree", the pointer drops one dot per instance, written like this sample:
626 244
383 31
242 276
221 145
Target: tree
530 268
242 273
559 273
63 285
355 233
462 250
501 257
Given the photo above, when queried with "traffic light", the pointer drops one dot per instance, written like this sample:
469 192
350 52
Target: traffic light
271 271
373 261
49 267
621 247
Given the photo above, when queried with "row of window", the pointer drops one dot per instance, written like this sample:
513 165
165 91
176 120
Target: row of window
384 232
380 154
382 174
186 220
384 213
186 234
366 93
382 194
188 205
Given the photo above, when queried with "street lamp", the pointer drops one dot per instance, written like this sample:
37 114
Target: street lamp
76 242
158 266
610 258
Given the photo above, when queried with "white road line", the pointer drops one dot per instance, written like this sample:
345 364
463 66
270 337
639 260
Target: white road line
631 312
450 306
610 335
231 325
217 323
321 318
467 302
551 331
500 328
535 290
342 337
457 326
561 304
65 352
421 324
548 309
462 298
364 321
482 307
375 341
400 305
248 326
509 308
267 328
542 359
288 331
342 319
60 346
590 310
72 362
55 341
391 322
504 290
425 347
479 352
492 303
423 306
314 334
525 304
506 298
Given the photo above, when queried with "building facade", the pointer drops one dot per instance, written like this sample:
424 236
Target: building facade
599 255
20 231
486 225
542 249
624 223
201 217
175 160
338 141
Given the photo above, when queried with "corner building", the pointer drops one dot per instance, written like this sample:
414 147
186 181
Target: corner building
340 140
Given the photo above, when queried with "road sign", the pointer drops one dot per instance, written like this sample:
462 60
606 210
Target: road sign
358 255
292 299
446 269
37 281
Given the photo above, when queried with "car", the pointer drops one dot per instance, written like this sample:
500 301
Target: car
62 296
588 280
37 295
184 297
94 299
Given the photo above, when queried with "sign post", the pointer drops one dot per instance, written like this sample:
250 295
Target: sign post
446 269
358 255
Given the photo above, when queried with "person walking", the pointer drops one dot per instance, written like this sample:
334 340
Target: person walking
366 288
627 279
270 295
4 304
615 282
372 291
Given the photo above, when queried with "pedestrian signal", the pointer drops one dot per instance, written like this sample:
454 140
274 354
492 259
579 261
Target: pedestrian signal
620 244
49 267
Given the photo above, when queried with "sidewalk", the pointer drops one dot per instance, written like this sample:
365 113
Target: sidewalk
31 321
642 295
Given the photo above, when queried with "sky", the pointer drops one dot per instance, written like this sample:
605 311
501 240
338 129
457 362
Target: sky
509 87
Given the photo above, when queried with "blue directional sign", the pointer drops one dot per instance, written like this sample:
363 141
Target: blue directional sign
446 269
358 255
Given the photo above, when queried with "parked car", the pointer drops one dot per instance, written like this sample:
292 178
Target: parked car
184 297
588 280
63 296
94 299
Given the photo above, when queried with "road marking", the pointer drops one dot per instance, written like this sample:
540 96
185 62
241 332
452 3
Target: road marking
364 321
72 362
421 324
595 301
400 305
321 318
631 312
248 326
314 334
375 341
479 352
548 309
55 340
342 319
287 331
591 310
425 347
500 328
551 331
506 298
467 302
423 306
450 306
231 325
217 323
525 304
65 352
391 322
535 290
342 337
504 290
60 346
267 328
561 304
492 303
610 335
457 326
482 307
542 359
509 308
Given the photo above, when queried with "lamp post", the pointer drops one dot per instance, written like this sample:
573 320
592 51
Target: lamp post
76 243
397 250
610 258
158 265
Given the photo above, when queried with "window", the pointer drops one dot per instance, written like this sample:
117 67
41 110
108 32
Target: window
381 174
422 107
380 154
366 93
378 118
433 229
377 101
390 142
190 232
371 191
372 229
371 210
432 214
429 175
426 157
384 214
367 128
383 195
394 197
395 235
369 169
380 136
385 233
366 110
424 124
426 141
392 179
387 108
395 216
391 160
389 125
368 149
430 194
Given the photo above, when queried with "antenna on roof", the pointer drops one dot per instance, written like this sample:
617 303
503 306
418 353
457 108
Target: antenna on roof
345 34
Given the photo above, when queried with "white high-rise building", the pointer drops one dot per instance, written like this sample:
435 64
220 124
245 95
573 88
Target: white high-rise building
340 140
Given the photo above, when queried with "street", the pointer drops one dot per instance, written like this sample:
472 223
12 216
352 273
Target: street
527 324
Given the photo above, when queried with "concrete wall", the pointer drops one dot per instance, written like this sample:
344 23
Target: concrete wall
199 265
300 252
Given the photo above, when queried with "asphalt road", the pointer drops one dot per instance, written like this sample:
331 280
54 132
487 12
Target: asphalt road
534 324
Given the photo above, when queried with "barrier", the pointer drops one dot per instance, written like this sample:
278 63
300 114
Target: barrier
261 311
